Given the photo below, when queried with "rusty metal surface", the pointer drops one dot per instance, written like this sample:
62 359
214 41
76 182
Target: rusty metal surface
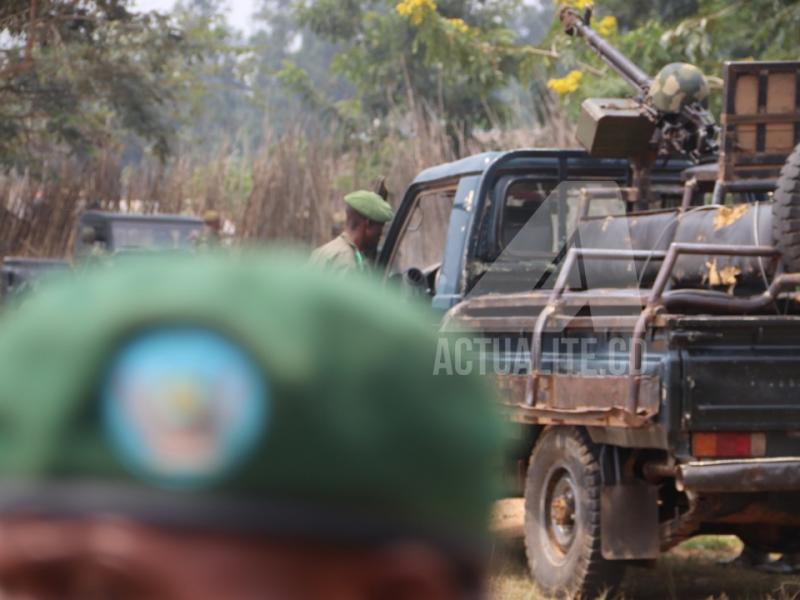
580 392
577 400
537 299
750 475
561 285
558 323
631 533
764 513
611 417
683 526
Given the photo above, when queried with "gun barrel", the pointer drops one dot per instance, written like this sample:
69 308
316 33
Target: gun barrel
574 24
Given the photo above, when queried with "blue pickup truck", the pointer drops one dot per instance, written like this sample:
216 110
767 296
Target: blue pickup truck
649 359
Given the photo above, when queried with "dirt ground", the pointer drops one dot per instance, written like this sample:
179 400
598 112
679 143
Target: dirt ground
688 572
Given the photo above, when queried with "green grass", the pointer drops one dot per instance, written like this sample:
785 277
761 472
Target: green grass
712 544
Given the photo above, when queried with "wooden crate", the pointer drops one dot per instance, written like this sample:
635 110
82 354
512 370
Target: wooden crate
760 118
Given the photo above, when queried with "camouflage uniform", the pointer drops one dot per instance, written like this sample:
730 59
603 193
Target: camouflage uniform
209 236
206 238
340 254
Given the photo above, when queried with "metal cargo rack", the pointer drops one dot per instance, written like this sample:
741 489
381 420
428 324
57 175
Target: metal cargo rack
547 397
760 120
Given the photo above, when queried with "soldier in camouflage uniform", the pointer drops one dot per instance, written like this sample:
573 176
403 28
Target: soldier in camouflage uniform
210 236
92 249
366 214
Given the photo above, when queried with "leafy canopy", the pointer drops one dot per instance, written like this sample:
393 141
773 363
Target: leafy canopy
73 74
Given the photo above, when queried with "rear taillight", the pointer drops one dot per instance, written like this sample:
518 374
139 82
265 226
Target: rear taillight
728 445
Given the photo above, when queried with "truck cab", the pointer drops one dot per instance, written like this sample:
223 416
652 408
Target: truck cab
458 219
112 232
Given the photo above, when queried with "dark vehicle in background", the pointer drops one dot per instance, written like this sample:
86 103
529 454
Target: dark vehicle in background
19 275
104 234
642 322
124 232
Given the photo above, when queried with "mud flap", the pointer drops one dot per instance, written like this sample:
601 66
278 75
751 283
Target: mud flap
629 521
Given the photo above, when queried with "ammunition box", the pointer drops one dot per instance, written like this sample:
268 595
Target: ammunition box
614 127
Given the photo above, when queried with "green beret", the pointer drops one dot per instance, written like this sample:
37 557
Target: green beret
250 392
211 217
370 205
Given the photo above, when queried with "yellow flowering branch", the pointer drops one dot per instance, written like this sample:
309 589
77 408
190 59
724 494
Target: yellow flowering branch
606 26
567 84
416 11
579 4
458 25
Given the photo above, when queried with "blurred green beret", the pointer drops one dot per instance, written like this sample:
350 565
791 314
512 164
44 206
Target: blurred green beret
211 217
370 205
251 393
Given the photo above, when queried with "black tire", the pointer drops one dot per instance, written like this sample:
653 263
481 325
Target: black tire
562 517
786 212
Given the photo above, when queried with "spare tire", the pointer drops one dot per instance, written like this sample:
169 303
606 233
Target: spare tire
786 212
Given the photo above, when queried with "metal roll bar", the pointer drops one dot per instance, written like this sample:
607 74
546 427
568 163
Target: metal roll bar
658 300
558 291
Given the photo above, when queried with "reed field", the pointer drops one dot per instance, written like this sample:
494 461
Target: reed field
289 189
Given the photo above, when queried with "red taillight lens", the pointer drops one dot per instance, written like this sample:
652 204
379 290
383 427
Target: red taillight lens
728 445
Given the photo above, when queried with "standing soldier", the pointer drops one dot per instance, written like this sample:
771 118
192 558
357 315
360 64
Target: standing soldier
366 213
210 236
92 249
239 429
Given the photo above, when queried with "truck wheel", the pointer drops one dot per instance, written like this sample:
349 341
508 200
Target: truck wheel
562 517
786 212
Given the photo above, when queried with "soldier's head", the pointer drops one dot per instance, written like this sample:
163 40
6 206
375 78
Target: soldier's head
201 427
366 214
88 236
212 220
678 85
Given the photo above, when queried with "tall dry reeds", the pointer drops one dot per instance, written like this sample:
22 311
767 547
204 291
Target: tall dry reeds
290 189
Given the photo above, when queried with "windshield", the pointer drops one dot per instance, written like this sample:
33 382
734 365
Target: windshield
422 242
152 235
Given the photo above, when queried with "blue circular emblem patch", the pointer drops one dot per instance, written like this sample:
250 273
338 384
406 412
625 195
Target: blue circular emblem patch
184 407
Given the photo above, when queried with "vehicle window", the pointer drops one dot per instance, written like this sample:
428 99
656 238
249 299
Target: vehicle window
523 200
162 236
539 217
422 242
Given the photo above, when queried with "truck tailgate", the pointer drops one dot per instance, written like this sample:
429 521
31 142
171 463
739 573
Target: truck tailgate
739 374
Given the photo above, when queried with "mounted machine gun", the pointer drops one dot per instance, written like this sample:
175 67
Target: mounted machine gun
668 115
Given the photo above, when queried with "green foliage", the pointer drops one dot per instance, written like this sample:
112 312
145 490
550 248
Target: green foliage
703 32
219 100
73 74
81 77
454 58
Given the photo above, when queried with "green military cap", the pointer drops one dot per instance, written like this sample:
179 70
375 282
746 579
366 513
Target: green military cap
211 217
249 393
370 205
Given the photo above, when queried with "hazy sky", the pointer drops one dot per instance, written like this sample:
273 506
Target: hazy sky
238 11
